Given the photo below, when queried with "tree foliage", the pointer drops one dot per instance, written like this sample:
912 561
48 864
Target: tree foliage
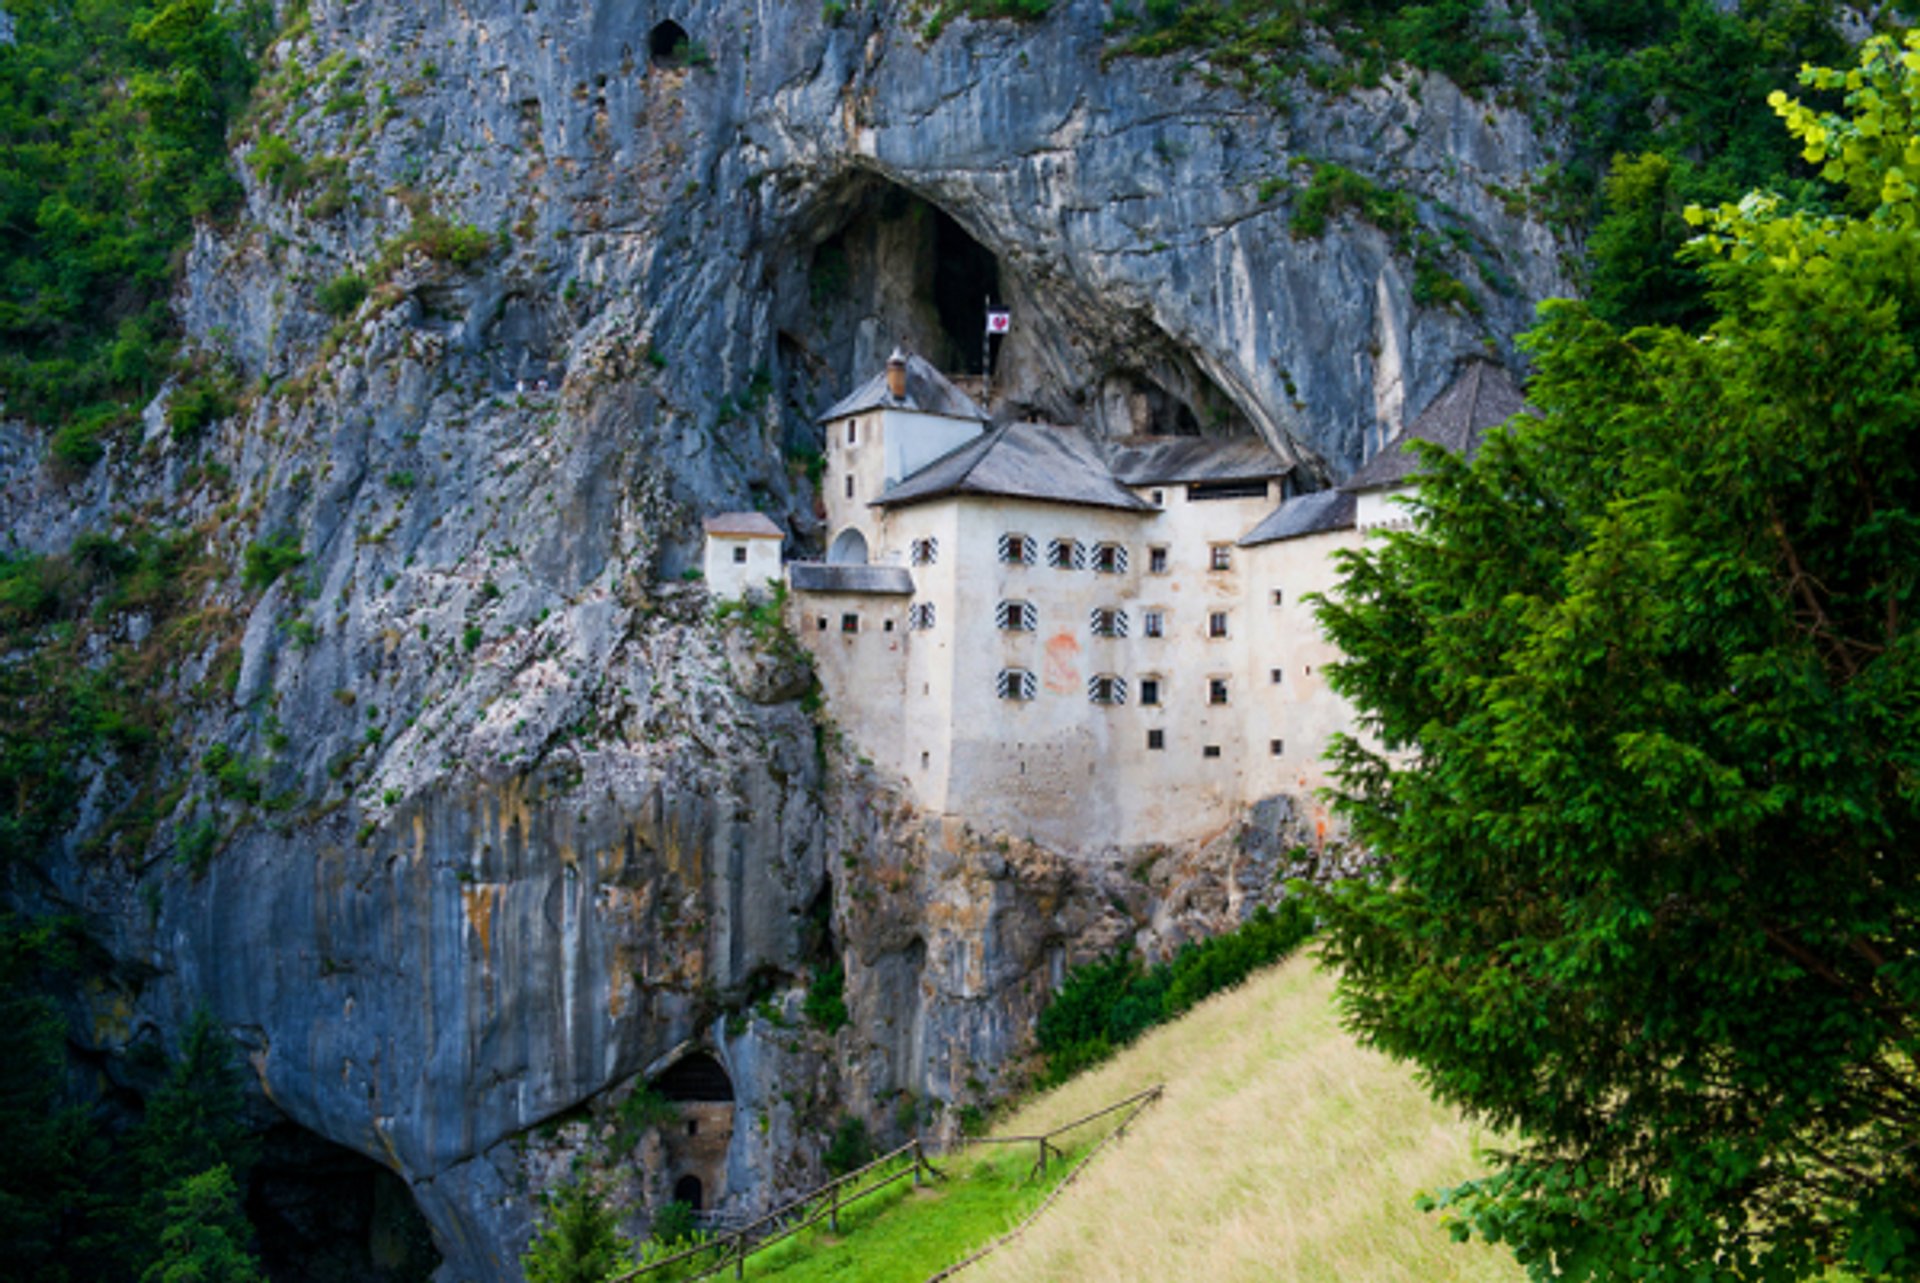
113 122
1649 684
579 1239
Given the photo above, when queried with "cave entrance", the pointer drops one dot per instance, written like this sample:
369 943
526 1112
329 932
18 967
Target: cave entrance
696 1151
324 1213
893 267
668 45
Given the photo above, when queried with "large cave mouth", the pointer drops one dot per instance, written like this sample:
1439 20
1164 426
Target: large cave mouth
888 266
324 1214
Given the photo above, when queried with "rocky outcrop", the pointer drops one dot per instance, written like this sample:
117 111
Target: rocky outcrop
531 824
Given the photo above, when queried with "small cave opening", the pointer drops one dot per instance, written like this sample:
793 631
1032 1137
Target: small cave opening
325 1214
668 45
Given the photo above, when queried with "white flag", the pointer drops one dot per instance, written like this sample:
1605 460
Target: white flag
999 322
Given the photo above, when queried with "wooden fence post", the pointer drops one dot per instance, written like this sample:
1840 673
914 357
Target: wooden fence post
833 1208
1043 1156
740 1255
916 1162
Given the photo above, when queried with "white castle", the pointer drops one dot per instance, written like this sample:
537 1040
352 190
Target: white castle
1083 642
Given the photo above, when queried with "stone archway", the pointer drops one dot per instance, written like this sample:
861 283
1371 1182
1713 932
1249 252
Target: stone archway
688 1190
849 548
695 1144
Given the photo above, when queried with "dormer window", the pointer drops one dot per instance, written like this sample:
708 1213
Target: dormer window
1105 688
1067 554
925 552
1016 684
1110 559
1016 550
1016 617
1107 621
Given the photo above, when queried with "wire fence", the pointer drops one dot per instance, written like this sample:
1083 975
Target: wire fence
730 1246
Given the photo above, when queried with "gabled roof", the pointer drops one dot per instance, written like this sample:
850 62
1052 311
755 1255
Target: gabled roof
743 525
817 576
1020 461
1162 460
1307 514
928 390
1483 397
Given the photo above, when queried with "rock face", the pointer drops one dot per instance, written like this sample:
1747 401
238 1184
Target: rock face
537 826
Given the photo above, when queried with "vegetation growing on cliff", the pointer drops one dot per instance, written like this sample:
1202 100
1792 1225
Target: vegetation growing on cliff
1651 901
113 128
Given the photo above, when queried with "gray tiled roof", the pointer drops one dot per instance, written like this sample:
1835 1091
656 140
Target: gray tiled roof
817 576
927 390
1307 514
1147 461
1483 397
755 525
1020 461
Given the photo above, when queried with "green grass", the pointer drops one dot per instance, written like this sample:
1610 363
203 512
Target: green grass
906 1234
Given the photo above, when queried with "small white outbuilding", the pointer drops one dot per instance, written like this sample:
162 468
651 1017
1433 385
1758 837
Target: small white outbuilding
743 551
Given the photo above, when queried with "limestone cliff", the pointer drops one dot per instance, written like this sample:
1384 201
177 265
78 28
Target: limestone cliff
538 835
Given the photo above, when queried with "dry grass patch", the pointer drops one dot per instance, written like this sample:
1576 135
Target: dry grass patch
1281 1151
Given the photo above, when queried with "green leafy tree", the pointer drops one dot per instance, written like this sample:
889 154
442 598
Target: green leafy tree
205 1237
579 1240
1648 682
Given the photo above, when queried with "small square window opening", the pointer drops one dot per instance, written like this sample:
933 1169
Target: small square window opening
1216 690
739 556
1276 747
1156 739
1156 561
849 623
1150 690
1275 674
1220 557
1279 597
1217 624
1210 750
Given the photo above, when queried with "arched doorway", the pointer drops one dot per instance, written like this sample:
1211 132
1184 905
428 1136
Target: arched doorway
688 1190
849 548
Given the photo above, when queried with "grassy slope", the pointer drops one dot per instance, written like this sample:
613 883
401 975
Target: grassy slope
1281 1151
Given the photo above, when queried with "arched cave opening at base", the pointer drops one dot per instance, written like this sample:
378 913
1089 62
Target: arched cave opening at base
324 1214
695 1151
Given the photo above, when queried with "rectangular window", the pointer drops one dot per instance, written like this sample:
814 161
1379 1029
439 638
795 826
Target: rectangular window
1067 554
1220 557
849 623
1210 750
849 485
740 556
1279 597
1153 624
1106 621
853 431
823 623
1016 550
1159 498
1276 747
1109 559
1016 684
1149 690
1202 491
920 616
1156 739
1105 688
925 552
1275 674
887 627
1216 690
1217 623
1016 616
1156 561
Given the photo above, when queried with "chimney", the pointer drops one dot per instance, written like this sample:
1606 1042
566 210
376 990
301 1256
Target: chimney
897 374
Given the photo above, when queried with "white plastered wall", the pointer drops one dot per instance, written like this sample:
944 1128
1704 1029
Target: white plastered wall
727 578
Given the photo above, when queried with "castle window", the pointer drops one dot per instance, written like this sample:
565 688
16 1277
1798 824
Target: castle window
849 623
1275 674
849 485
1217 623
1156 739
1067 554
1016 550
1156 561
1279 597
1216 690
1220 557
822 623
1153 624
1276 747
1016 617
920 616
1149 690
1159 498
1110 559
853 432
1016 684
1105 688
740 555
1107 621
1201 491
925 552
1210 750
